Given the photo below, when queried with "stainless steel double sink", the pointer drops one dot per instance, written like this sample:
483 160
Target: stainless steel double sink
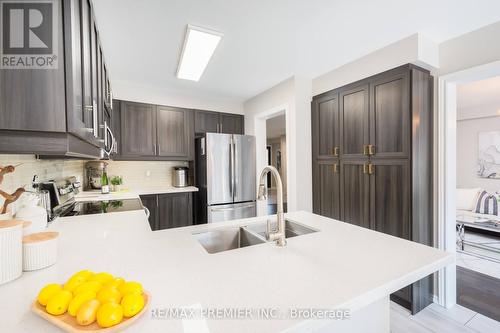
231 238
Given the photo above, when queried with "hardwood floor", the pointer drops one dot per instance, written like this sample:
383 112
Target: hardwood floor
436 319
478 292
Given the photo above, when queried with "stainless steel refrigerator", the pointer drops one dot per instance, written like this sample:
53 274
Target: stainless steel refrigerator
225 176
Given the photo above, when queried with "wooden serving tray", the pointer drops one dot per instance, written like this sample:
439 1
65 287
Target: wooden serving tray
69 324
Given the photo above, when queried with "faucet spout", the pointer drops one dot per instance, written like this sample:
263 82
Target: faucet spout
278 235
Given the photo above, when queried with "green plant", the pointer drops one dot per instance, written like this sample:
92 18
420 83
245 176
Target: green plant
116 180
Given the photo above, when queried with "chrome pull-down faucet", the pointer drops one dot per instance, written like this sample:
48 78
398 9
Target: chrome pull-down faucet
279 234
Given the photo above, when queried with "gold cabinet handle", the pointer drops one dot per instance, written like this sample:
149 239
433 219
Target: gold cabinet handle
336 151
365 149
371 169
335 168
371 150
365 168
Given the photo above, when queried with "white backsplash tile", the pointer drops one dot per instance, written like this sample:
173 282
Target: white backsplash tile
135 173
140 174
45 169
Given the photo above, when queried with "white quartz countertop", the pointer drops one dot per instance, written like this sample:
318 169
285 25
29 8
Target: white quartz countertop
340 266
131 193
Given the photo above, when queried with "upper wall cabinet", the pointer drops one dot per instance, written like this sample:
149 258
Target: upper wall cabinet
61 108
217 122
33 99
174 132
153 132
138 129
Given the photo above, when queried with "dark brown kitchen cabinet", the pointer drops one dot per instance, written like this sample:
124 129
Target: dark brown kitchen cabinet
231 123
33 99
206 122
390 197
354 121
390 116
153 132
57 112
138 129
175 134
170 210
327 181
175 210
150 201
87 77
325 120
218 122
385 129
354 189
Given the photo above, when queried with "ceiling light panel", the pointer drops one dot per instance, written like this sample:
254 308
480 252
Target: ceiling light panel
198 49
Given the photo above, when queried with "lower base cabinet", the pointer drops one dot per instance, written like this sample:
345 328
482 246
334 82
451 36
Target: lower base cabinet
170 210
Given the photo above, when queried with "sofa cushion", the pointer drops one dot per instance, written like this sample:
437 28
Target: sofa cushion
467 198
487 203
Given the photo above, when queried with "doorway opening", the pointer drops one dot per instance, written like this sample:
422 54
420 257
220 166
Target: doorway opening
477 196
459 170
276 156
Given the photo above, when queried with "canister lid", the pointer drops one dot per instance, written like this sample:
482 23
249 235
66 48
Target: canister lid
181 168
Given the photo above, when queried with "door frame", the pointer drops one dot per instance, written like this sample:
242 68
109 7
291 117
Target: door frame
261 146
446 169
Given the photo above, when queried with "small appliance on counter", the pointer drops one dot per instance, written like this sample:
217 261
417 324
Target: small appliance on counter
93 174
180 176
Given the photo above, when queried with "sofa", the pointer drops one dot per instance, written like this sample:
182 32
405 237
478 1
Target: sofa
466 201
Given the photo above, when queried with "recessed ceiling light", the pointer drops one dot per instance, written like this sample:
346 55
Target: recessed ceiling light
199 46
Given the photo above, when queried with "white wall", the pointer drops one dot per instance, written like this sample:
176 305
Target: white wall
292 96
467 146
469 50
414 49
152 94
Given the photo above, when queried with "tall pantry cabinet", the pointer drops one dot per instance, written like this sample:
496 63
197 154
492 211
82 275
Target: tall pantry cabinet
372 160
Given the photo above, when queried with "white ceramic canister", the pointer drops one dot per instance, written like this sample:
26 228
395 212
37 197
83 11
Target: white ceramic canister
11 250
39 250
36 215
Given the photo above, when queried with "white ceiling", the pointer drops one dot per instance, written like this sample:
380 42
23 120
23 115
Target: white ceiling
265 41
276 127
479 98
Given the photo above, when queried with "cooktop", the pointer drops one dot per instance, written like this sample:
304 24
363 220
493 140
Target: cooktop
100 207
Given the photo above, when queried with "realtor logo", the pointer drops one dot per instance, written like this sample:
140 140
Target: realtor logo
29 34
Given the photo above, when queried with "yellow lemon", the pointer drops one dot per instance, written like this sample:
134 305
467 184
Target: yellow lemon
132 304
109 294
130 287
115 283
78 300
73 283
58 304
47 292
88 286
85 274
102 277
109 314
87 312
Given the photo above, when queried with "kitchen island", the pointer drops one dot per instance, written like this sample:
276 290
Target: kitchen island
264 287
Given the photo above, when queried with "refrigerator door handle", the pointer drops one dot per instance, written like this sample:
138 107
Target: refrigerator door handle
233 161
231 208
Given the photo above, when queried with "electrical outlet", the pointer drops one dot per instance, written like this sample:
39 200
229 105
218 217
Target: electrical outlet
148 173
